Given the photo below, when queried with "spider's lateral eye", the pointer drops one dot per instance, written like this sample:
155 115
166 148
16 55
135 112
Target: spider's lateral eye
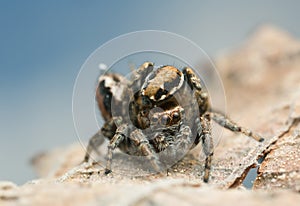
144 112
146 101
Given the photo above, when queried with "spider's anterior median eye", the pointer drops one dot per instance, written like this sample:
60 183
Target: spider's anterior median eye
165 120
154 119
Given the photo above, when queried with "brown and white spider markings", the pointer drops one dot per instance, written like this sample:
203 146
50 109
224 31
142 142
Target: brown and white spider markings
159 109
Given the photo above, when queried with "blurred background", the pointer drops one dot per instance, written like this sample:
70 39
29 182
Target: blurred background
44 43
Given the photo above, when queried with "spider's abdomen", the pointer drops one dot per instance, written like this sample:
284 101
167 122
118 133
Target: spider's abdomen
110 86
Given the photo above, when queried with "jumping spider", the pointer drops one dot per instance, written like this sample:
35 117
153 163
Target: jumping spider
158 109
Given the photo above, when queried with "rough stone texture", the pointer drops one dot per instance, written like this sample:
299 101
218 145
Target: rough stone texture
262 84
262 78
281 165
163 192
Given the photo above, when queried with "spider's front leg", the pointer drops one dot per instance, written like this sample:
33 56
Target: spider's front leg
203 122
207 143
139 76
141 141
204 135
195 85
119 136
93 145
108 130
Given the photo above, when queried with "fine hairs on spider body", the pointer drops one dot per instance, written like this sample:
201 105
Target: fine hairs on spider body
157 110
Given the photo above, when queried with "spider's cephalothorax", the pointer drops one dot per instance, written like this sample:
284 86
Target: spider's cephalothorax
159 109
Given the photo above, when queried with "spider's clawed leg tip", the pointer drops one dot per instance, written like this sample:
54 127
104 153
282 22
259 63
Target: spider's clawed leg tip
86 159
261 139
107 171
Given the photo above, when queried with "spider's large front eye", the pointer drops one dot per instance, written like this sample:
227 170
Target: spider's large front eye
154 119
165 120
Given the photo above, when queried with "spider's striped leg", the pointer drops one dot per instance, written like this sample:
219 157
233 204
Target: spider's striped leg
140 75
93 145
141 141
108 130
224 121
204 121
195 84
121 133
207 144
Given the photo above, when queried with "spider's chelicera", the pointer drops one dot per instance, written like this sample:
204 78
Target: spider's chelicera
158 110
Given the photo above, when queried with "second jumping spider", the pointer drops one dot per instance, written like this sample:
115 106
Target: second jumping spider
158 109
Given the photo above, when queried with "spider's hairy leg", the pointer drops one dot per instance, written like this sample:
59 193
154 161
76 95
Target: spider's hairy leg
192 78
224 121
140 74
141 141
204 121
93 145
120 135
207 144
107 130
195 84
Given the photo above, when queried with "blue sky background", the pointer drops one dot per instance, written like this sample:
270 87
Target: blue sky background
44 43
